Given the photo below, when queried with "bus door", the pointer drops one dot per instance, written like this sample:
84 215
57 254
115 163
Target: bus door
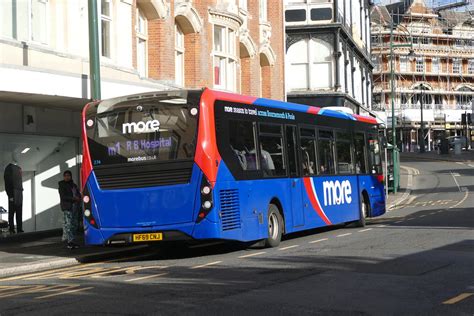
296 186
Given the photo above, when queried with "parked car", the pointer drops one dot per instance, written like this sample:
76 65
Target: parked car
453 139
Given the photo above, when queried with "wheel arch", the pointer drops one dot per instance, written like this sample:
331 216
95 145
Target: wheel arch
277 203
365 195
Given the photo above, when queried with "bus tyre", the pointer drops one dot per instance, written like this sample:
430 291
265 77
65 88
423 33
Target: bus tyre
275 227
363 211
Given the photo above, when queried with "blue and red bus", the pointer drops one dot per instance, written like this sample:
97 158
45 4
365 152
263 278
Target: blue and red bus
203 164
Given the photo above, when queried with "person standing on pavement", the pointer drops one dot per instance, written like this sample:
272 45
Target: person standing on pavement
70 199
14 187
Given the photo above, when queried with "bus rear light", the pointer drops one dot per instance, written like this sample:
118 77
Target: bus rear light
206 189
206 199
87 208
380 178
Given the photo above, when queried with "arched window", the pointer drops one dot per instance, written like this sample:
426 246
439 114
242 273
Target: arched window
421 96
225 58
310 65
179 55
142 36
464 101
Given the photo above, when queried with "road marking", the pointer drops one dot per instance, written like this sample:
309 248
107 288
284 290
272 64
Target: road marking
381 226
343 235
364 230
410 219
289 247
206 265
456 181
470 165
146 277
422 216
318 240
432 213
398 222
466 194
459 163
253 254
23 290
63 293
458 298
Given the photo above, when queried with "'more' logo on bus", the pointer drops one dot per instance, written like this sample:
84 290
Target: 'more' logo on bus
140 127
337 193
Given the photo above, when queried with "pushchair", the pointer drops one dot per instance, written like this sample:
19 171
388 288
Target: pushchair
3 224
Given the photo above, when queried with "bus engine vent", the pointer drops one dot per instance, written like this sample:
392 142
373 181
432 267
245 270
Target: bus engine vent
230 209
149 175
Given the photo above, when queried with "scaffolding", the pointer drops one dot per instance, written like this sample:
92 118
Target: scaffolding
442 75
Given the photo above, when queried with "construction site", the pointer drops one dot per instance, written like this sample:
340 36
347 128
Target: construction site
427 53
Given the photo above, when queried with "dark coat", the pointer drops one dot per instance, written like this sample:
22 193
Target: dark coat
13 179
66 194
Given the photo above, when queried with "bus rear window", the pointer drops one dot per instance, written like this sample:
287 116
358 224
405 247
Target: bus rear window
144 131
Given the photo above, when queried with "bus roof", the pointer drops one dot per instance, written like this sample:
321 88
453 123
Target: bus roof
294 107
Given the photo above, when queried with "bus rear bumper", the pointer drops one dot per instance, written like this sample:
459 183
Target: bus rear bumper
124 236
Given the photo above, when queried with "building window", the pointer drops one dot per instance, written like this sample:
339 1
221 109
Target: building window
179 55
470 66
403 63
420 65
243 5
311 65
39 18
464 100
458 42
376 62
435 65
456 66
142 36
263 10
225 58
106 21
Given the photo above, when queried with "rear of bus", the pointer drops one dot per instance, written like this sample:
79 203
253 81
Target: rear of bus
140 181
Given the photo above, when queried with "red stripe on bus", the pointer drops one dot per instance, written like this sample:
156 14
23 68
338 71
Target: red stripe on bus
207 155
313 110
86 167
366 119
314 201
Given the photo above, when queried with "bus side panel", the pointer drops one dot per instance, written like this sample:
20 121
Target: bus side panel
242 205
330 200
375 191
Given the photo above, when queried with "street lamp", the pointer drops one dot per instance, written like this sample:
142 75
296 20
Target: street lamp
411 54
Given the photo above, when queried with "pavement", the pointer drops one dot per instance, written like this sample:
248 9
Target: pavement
416 259
33 252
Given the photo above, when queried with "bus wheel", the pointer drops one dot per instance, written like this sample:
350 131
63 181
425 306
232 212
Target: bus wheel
363 211
275 227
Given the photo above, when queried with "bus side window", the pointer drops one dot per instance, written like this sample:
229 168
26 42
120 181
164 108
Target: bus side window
375 160
271 150
326 152
359 144
242 143
343 151
308 151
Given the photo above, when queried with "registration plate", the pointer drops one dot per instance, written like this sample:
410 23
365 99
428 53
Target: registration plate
147 237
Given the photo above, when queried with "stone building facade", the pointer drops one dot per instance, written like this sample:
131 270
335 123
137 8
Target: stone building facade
328 53
440 75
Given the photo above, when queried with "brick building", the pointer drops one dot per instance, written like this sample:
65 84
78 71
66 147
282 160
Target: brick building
231 45
440 76
145 45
